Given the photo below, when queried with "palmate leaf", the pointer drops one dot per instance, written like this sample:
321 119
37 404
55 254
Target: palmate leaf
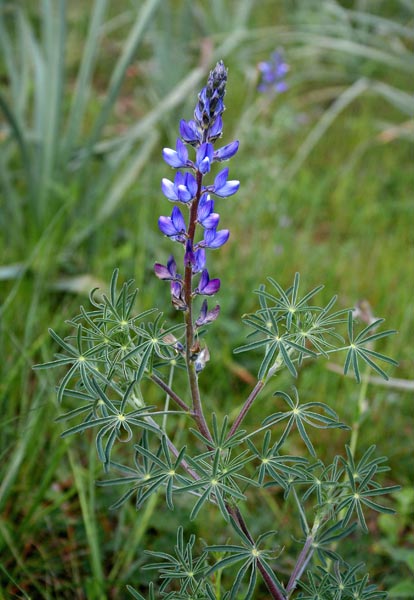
360 348
116 425
301 414
250 553
182 568
361 487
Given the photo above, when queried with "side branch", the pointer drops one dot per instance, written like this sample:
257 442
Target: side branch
246 407
164 386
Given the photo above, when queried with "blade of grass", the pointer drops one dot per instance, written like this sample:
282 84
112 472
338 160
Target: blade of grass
86 494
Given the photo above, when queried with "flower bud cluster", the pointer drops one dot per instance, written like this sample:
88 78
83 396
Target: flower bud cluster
188 189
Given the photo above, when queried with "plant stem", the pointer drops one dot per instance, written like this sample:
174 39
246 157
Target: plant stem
303 559
170 392
189 327
246 407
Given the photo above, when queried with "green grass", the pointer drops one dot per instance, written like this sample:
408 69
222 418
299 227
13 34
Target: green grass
326 189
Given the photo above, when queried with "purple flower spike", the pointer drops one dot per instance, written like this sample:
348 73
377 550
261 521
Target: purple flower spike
176 158
226 152
190 133
205 215
183 189
169 272
205 317
199 260
204 158
224 188
174 226
215 239
273 73
207 286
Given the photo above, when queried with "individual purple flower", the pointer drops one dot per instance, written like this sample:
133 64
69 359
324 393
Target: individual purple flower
214 239
183 189
199 260
204 158
168 272
207 316
222 187
174 226
207 286
190 133
226 152
177 158
273 73
205 213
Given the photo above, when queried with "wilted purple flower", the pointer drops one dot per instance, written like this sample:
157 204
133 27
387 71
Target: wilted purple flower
205 317
189 257
174 227
168 272
214 239
177 295
207 286
273 73
204 158
177 158
222 187
202 358
183 189
205 215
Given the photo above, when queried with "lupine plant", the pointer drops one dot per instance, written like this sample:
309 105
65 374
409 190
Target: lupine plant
115 355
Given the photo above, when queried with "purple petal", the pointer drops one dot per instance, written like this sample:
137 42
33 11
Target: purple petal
228 189
204 157
215 239
216 129
161 271
168 189
172 158
199 260
166 226
191 183
221 178
227 151
211 221
205 207
211 288
205 317
178 220
189 132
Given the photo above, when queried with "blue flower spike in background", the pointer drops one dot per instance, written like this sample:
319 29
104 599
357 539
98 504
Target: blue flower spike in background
273 73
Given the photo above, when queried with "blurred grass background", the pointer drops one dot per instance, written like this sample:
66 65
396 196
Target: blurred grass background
90 93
